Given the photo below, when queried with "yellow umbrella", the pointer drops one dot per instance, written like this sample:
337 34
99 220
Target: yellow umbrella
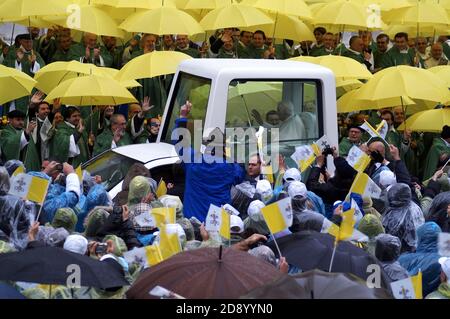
234 15
344 86
112 73
206 4
14 84
91 90
139 4
420 14
349 103
29 22
92 20
286 27
427 121
405 81
32 8
152 64
345 15
442 71
162 21
429 31
296 8
343 68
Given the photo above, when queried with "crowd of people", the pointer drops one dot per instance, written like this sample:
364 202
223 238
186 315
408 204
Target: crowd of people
51 141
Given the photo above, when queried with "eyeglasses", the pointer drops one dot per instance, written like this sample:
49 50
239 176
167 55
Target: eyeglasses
155 124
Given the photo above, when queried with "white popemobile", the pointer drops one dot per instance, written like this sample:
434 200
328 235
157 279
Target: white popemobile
296 98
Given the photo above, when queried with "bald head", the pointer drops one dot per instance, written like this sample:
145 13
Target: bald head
90 40
378 146
437 51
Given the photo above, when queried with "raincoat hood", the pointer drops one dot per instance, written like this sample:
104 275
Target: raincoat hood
307 220
94 221
387 247
427 238
173 201
136 169
399 195
139 188
4 181
97 196
65 218
119 245
371 226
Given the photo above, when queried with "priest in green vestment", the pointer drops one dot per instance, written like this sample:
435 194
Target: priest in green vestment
441 145
380 50
258 48
353 139
183 46
88 51
400 53
115 137
63 48
70 141
14 138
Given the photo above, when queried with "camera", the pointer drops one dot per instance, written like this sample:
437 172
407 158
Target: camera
101 249
327 151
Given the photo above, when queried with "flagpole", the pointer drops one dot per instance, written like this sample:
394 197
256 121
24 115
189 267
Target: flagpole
276 244
40 209
332 256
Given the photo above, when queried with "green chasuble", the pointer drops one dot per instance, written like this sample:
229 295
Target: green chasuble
394 57
321 51
242 51
355 56
378 58
103 142
112 59
345 145
59 145
446 48
189 51
32 159
437 149
411 157
77 52
256 53
225 55
10 143
10 61
60 56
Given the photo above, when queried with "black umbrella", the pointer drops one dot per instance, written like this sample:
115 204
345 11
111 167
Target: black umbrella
310 250
9 292
50 265
317 284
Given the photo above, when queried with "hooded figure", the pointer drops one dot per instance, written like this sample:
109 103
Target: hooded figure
137 169
255 222
139 189
402 216
97 196
14 220
387 251
307 220
65 218
425 256
438 211
264 253
94 222
370 226
50 236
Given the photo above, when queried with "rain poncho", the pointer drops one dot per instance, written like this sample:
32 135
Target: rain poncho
139 189
371 226
264 253
402 216
438 211
94 222
12 165
427 249
387 251
52 236
5 247
14 216
255 222
97 196
65 218
319 206
307 220
57 197
119 245
137 169
241 197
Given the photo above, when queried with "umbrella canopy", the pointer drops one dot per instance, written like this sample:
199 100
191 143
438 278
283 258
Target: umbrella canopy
201 273
48 265
206 4
344 86
234 16
162 21
286 27
9 292
343 68
419 14
427 121
14 84
139 4
442 71
400 81
296 8
32 8
152 64
310 250
317 284
92 20
91 90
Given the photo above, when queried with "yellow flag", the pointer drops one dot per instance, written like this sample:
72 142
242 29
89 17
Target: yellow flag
278 216
164 215
417 284
365 186
29 187
162 189
19 170
153 254
168 243
225 229
268 172
347 225
79 173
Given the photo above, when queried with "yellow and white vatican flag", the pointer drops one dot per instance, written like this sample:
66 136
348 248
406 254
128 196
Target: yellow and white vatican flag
169 242
379 132
145 256
357 159
408 288
305 155
365 186
278 216
164 215
29 187
218 220
19 170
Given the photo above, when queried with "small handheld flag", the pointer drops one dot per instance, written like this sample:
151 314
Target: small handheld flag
19 170
162 189
365 186
164 215
408 288
79 173
218 220
30 187
278 216
357 159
